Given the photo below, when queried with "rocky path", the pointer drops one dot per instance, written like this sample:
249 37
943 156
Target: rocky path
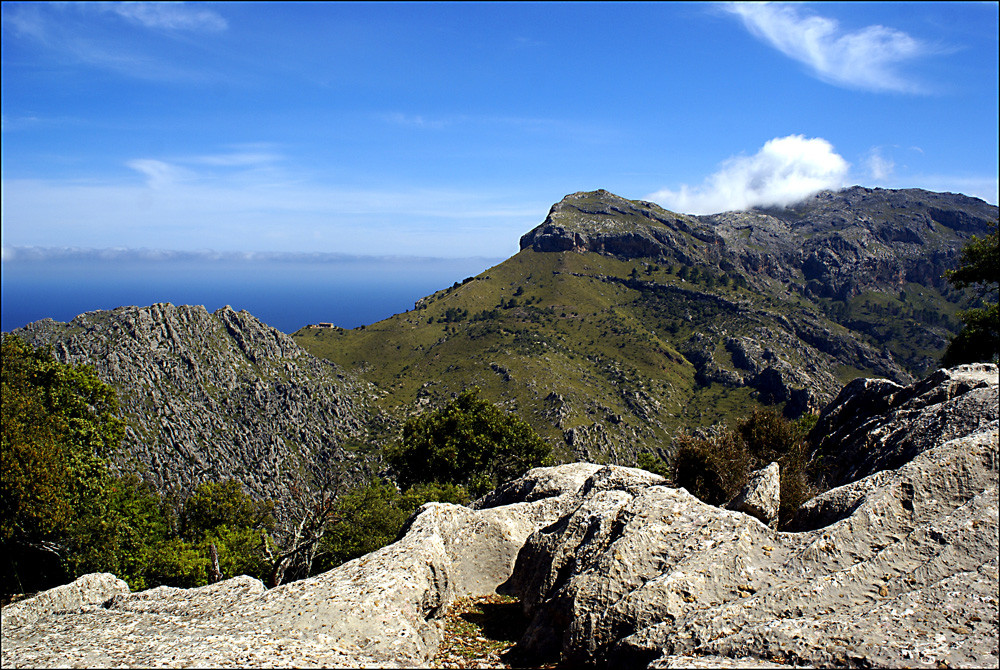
478 632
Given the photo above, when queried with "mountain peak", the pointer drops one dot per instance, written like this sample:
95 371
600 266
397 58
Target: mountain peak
603 222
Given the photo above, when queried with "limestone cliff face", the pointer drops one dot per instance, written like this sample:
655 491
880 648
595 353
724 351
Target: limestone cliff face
896 567
602 222
837 243
208 396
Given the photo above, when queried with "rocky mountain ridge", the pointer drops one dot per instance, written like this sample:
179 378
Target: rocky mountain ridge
620 323
209 396
835 244
614 568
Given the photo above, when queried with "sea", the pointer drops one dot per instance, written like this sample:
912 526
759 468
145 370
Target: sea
285 291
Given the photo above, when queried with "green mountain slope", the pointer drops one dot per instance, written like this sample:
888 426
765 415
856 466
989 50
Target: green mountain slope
619 323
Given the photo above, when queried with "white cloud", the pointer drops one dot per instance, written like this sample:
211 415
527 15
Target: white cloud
238 159
868 58
784 171
229 203
418 120
159 175
169 16
879 167
92 34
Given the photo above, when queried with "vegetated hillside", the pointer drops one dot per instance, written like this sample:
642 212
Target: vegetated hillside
210 396
619 322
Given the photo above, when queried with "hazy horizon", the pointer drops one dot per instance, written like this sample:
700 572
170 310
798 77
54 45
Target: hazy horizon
285 293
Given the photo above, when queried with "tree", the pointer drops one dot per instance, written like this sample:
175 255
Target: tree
651 463
222 515
216 504
59 422
313 503
979 340
371 516
119 530
469 442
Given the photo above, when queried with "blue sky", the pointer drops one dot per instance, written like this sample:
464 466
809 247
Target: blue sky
449 129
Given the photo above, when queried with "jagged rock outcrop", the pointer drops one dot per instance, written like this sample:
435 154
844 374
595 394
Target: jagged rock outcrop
905 572
761 497
603 222
381 610
209 396
613 567
861 238
93 589
876 425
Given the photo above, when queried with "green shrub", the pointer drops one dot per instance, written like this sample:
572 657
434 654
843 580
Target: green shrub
216 504
469 442
712 469
177 563
369 517
716 468
117 530
979 340
58 423
651 463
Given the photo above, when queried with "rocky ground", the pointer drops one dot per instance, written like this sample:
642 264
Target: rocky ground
895 567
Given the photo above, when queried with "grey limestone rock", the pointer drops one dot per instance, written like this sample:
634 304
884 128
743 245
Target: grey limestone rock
209 396
876 425
539 483
897 568
93 589
761 497
384 609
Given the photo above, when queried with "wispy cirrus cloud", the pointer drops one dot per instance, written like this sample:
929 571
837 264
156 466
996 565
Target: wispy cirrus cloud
159 174
880 167
870 58
784 171
419 120
254 201
168 16
102 34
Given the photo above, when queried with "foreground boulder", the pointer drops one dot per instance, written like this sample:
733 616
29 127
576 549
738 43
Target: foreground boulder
898 566
905 574
381 610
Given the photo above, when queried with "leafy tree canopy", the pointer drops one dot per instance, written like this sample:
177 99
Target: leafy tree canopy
58 421
469 442
979 340
216 504
371 516
64 513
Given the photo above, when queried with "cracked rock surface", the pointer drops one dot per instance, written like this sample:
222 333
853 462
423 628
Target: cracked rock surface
385 609
901 570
